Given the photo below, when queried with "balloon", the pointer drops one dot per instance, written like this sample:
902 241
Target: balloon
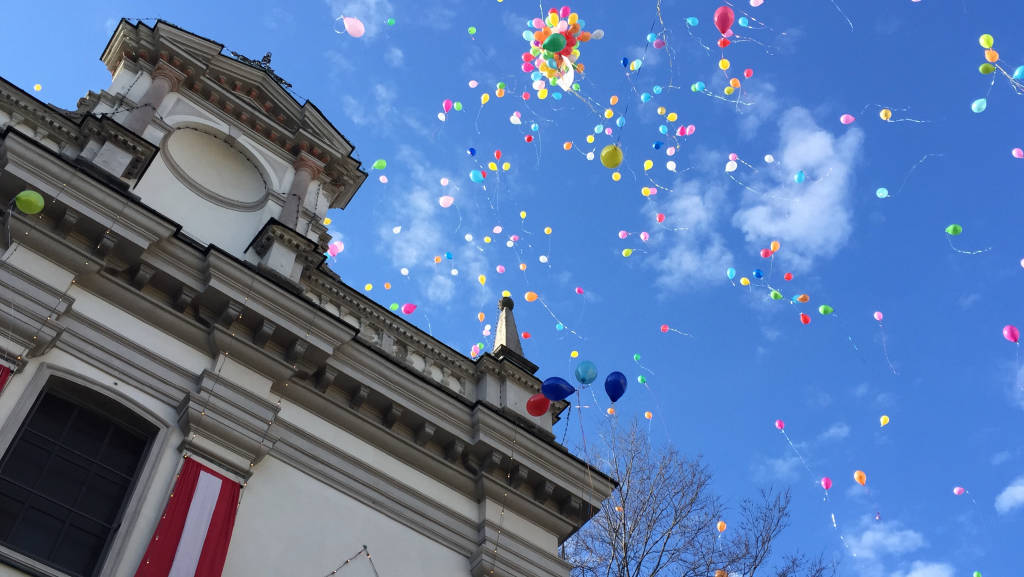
721 573
730 272
720 526
615 385
885 114
692 21
471 30
860 477
954 230
775 246
788 276
744 21
37 87
537 405
959 491
648 415
1018 74
825 310
611 156
335 247
986 68
979 105
476 176
554 43
780 424
799 177
776 295
530 296
758 273
724 64
991 56
556 388
882 192
847 119
446 106
826 483
408 308
724 18
878 316
446 201
379 164
805 319
986 41
1011 333
484 98
586 372
663 328
766 253
977 574
748 73
745 281
627 252
579 290
354 27
803 298
1017 153
883 420
30 202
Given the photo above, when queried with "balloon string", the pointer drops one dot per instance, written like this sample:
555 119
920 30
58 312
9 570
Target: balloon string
885 350
843 14
967 252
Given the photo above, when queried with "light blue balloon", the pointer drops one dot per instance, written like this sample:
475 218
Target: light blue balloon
535 75
620 121
979 105
582 23
799 177
559 327
663 129
528 35
476 176
535 127
652 37
700 86
1018 74
557 96
882 192
691 21
731 273
636 64
586 372
645 97
744 21
598 129
656 89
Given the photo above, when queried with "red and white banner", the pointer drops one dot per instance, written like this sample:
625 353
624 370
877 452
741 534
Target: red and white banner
192 537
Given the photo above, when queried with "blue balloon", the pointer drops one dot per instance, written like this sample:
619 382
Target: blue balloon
625 62
476 176
535 75
598 128
758 273
559 327
700 86
620 121
582 23
744 21
448 255
471 151
979 105
731 273
656 89
652 37
663 129
586 372
799 177
1018 74
882 192
615 385
691 21
557 96
556 389
645 97
528 35
657 145
535 127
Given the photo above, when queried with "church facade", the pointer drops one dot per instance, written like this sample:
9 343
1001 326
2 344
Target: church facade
186 388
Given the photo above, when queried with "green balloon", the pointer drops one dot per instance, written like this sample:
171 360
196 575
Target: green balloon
393 306
636 357
986 42
472 30
501 86
611 156
555 43
977 574
29 202
641 379
576 86
776 295
954 230
391 21
986 68
825 309
380 164
458 106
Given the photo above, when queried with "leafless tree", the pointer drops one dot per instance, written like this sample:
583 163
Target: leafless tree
663 520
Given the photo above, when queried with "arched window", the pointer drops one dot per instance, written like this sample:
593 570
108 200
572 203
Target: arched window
67 476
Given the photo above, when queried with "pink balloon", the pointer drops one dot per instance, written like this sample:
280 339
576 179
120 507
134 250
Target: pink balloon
408 308
690 129
733 156
644 236
847 119
514 238
497 229
623 234
383 179
447 106
444 182
878 316
779 424
826 483
659 43
959 491
681 131
538 23
354 27
473 84
756 3
500 268
1017 153
1011 334
671 151
564 12
527 67
446 201
335 247
579 290
660 217
475 350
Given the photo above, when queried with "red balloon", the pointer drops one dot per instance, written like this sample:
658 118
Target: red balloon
724 17
497 155
766 253
529 138
723 42
661 217
788 276
748 72
526 96
526 335
537 405
805 319
664 328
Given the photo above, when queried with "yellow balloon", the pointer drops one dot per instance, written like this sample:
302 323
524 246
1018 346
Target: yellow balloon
745 281
37 87
485 98
661 110
775 246
672 116
729 90
648 164
626 252
609 113
552 19
542 93
368 287
574 354
492 166
327 221
590 139
487 240
611 156
482 280
986 41
506 294
644 191
530 296
573 18
506 166
884 420
885 114
547 230
522 214
724 64
616 176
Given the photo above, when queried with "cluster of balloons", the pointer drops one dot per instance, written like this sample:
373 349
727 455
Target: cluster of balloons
558 389
555 48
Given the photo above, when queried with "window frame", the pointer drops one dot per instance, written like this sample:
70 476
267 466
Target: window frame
114 402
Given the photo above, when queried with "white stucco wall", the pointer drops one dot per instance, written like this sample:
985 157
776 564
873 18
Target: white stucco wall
291 524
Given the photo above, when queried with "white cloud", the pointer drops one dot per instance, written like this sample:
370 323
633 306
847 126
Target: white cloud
925 569
812 219
837 431
395 56
698 253
880 539
783 468
372 13
1012 496
765 107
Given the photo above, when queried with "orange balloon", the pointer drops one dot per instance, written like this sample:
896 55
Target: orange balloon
721 526
538 36
860 476
567 145
522 266
387 286
803 298
735 83
437 260
991 55
500 93
480 317
530 296
613 100
648 415
574 29
721 573
775 246
611 410
584 37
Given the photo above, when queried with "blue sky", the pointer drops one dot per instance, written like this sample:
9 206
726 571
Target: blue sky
955 388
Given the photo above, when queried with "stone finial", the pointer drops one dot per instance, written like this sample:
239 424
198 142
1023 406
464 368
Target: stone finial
506 334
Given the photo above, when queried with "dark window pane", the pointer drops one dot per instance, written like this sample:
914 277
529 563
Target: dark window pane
27 459
102 497
80 548
36 533
52 416
12 501
87 433
122 453
64 479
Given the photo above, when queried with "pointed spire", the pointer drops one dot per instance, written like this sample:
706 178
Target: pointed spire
506 338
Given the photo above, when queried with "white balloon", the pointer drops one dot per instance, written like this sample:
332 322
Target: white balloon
730 166
769 158
397 229
597 34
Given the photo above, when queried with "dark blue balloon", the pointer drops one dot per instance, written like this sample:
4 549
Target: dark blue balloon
471 151
758 273
657 145
625 62
556 389
615 385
